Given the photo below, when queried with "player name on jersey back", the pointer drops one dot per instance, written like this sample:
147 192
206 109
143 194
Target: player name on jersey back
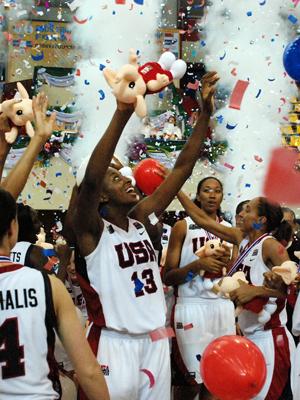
18 298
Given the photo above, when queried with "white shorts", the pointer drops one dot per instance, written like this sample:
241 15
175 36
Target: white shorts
134 367
197 322
295 374
277 346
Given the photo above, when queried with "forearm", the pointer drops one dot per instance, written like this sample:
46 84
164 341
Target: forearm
263 291
94 385
179 276
103 152
17 178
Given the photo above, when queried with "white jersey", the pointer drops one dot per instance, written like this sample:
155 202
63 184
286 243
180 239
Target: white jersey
195 238
26 335
254 267
122 284
19 252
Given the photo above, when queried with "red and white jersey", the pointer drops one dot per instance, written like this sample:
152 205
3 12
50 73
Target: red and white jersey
254 267
195 238
77 296
19 252
122 285
26 336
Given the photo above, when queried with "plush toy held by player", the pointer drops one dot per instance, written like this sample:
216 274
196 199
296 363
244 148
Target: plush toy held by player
211 248
19 113
132 81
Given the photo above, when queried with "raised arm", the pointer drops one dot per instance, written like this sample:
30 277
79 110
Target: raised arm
4 146
229 234
87 223
71 334
183 168
17 178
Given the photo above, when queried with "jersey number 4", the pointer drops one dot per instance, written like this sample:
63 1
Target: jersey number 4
11 353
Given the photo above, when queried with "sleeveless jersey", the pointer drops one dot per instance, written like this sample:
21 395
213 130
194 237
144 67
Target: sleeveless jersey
195 238
19 252
26 335
122 284
254 267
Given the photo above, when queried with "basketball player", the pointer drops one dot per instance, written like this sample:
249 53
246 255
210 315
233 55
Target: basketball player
32 305
121 281
209 315
260 251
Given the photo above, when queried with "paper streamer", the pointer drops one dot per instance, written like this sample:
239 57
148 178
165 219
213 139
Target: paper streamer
238 94
162 333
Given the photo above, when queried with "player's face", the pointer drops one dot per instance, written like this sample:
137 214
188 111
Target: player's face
210 195
239 218
119 189
250 217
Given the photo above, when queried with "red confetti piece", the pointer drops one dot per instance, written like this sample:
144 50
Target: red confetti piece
8 36
258 158
79 21
43 184
188 326
150 376
77 72
229 166
233 72
282 181
120 1
161 333
238 94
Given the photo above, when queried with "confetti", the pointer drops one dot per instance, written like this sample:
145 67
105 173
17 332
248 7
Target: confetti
140 2
79 21
230 127
223 56
292 19
247 185
229 166
138 285
43 184
243 166
258 158
249 13
101 94
58 174
262 3
198 356
49 194
101 67
150 376
237 94
233 72
188 326
86 82
258 94
77 72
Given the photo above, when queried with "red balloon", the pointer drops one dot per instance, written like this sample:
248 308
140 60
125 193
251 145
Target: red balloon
146 176
233 368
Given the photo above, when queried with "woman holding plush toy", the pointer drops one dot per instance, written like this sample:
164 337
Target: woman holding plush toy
207 314
259 252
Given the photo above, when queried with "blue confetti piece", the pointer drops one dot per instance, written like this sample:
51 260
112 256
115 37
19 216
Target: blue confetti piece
247 185
203 43
138 285
198 356
140 2
271 79
86 82
244 166
223 56
101 67
262 3
161 95
189 277
220 119
258 94
101 94
292 19
249 14
230 127
257 226
38 57
58 174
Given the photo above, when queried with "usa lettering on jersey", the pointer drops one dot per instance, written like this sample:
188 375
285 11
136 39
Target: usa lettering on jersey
140 252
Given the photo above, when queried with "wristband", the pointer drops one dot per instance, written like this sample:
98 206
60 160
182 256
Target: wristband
49 252
190 276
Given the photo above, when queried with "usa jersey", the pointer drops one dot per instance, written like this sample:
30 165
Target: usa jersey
254 267
121 282
195 238
26 335
77 296
19 252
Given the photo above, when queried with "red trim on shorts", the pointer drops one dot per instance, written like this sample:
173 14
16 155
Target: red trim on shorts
282 364
94 340
275 320
93 303
190 381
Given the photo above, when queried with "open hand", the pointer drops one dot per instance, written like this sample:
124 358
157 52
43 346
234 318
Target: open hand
211 264
243 294
209 81
43 125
